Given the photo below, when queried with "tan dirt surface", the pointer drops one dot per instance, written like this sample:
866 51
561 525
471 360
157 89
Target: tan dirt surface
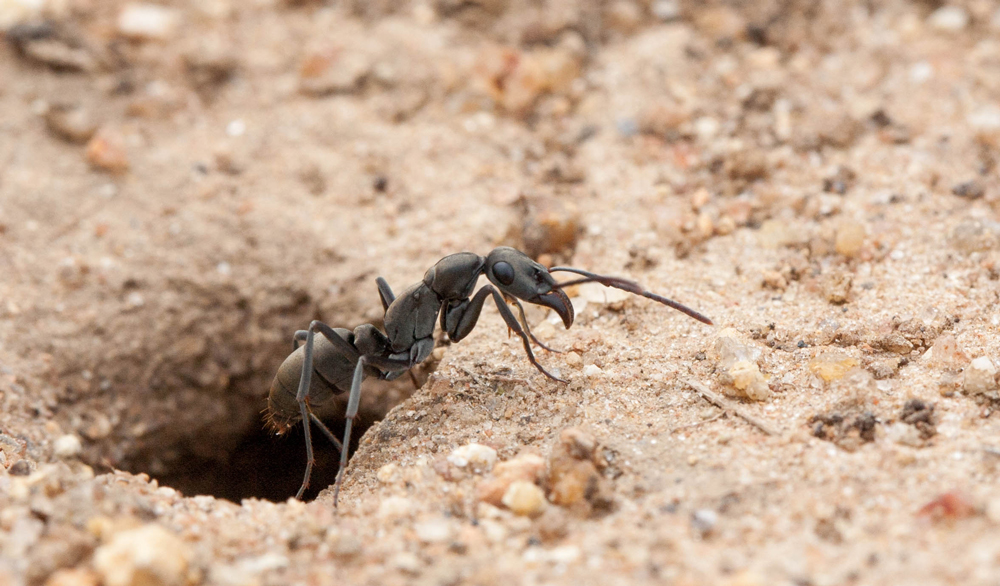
184 185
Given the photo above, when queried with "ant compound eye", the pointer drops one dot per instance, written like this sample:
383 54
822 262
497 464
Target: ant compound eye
503 272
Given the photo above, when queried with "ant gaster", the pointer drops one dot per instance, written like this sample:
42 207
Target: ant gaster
338 359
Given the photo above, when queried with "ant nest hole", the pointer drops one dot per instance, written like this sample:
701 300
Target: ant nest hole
181 400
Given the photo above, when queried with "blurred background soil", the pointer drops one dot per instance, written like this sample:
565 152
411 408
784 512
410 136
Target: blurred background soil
185 184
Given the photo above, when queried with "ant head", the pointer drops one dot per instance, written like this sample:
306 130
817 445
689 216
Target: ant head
516 275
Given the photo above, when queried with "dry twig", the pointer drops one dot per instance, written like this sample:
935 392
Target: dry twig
717 400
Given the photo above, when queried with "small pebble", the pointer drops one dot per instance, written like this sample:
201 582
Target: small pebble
737 364
528 467
71 123
328 72
746 377
236 128
993 510
600 295
832 365
57 52
946 350
478 458
21 468
622 16
67 446
74 577
894 342
850 238
574 479
980 376
406 562
435 531
395 507
949 19
986 118
969 190
592 370
947 506
388 474
146 556
524 498
144 22
704 521
837 286
666 9
344 544
904 434
135 299
105 152
549 226
706 127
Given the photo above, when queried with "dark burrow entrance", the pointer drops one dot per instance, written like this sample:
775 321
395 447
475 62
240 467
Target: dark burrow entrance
190 416
263 465
266 466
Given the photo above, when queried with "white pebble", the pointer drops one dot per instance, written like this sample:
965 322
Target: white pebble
704 520
921 71
565 554
67 446
147 22
949 18
477 457
706 127
395 506
980 377
985 118
601 295
592 370
406 561
19 12
666 9
435 531
904 434
147 555
135 299
236 128
524 498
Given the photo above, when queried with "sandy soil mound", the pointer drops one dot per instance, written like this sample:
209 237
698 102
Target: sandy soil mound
183 185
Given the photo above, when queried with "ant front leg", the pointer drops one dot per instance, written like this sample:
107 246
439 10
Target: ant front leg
524 320
459 319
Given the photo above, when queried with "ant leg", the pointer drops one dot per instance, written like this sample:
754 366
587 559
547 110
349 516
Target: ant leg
352 411
512 323
524 320
459 319
300 336
305 383
301 397
385 293
384 365
326 431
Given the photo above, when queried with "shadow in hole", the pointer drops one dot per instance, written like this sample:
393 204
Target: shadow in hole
266 466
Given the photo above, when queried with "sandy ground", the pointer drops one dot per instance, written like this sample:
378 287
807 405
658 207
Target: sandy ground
183 187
